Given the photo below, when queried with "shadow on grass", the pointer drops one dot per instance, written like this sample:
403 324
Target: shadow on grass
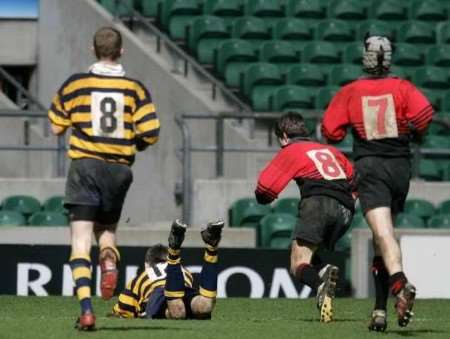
339 320
414 333
135 328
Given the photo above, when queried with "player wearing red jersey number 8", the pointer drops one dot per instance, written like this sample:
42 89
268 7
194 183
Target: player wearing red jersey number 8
385 113
324 176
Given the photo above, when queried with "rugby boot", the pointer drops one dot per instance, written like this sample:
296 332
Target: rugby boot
211 235
109 273
378 321
86 322
176 236
326 292
404 304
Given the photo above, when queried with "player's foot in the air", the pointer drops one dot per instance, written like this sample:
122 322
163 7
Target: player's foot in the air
404 304
326 292
109 273
212 233
86 322
176 236
378 321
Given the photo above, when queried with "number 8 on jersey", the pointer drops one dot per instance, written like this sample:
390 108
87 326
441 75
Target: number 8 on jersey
107 114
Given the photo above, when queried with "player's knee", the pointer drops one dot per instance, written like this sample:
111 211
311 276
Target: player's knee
176 309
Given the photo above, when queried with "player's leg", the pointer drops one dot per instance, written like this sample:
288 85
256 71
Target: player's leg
109 257
203 304
80 263
113 181
174 289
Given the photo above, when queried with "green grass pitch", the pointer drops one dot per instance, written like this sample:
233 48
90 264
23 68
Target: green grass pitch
53 317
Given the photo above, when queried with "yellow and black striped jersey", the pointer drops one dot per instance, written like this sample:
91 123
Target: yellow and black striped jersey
133 300
107 114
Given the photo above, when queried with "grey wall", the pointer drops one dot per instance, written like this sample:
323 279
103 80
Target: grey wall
19 42
65 32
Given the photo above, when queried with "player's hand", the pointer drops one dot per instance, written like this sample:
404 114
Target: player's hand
141 145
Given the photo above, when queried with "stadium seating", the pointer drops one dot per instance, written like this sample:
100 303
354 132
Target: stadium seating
45 218
405 220
419 207
12 218
444 207
287 205
23 204
245 211
276 225
439 221
55 204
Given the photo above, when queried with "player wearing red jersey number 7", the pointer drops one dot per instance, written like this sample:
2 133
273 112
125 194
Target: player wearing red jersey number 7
324 176
384 112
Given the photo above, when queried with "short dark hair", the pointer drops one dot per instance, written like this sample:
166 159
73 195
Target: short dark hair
107 43
156 254
292 124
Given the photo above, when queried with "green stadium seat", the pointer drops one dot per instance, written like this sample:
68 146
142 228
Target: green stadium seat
428 10
343 74
269 10
233 57
296 31
121 8
404 220
151 8
259 82
347 142
359 221
287 205
439 221
183 9
261 73
419 207
206 33
55 204
435 97
280 242
246 210
407 55
416 32
321 52
45 218
436 128
431 77
446 102
444 207
324 96
436 141
429 170
439 56
278 52
335 31
443 32
24 204
252 29
228 10
276 225
389 10
305 9
375 27
292 97
353 53
12 218
398 72
348 10
306 75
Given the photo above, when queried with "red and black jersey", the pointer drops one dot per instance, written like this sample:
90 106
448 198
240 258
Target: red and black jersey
318 170
383 112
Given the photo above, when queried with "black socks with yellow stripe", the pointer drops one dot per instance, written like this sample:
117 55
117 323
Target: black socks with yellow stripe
208 276
82 275
174 288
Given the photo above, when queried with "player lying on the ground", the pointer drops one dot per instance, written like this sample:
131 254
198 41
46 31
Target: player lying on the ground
164 289
385 112
324 176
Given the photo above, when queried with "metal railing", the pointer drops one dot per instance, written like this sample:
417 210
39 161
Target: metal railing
219 147
59 148
162 38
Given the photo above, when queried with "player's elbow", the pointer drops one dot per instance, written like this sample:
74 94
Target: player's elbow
57 130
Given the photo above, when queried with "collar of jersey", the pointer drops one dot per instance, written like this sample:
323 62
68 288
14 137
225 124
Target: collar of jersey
101 68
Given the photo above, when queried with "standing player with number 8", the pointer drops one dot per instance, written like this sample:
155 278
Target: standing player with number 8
385 113
111 118
324 176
